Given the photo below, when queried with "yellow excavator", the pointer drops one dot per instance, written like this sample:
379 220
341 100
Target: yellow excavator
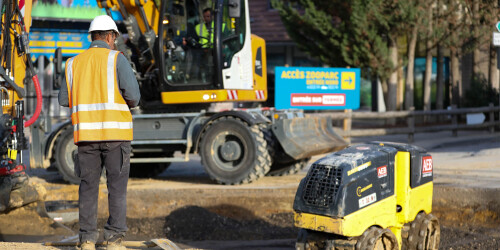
16 72
190 55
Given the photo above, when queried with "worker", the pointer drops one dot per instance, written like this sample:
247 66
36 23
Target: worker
206 30
100 90
205 33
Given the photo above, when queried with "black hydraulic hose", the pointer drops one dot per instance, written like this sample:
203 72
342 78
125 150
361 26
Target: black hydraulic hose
123 10
7 42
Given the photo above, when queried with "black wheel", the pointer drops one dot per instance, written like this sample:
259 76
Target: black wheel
149 170
424 233
63 153
279 169
377 239
233 152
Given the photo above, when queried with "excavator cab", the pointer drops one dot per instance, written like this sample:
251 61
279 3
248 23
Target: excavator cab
193 51
205 45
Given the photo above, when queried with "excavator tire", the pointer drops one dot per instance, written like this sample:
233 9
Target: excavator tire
63 153
377 238
424 233
233 152
288 169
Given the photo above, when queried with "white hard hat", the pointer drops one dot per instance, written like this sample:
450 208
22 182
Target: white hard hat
103 23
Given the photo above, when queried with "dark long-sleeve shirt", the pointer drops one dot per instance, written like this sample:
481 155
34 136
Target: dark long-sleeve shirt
127 83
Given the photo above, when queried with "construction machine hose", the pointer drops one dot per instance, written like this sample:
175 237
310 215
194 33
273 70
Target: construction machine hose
38 90
39 100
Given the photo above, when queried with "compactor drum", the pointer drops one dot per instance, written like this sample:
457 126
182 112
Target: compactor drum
371 196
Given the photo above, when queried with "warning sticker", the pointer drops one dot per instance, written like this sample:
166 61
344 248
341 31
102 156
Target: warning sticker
367 200
382 171
426 166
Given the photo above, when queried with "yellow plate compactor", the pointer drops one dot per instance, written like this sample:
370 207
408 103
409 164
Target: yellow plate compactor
371 196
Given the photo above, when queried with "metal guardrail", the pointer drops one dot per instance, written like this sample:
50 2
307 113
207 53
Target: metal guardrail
411 127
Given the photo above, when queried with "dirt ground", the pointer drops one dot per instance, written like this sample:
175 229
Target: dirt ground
187 208
229 226
199 228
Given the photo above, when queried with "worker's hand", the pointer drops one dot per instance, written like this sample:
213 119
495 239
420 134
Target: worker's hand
184 43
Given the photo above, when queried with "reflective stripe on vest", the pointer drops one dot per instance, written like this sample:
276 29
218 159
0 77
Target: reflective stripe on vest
69 77
103 125
98 111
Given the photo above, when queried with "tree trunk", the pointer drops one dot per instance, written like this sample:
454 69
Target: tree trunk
493 68
439 78
476 54
428 66
392 83
382 98
456 80
401 83
427 80
410 71
494 77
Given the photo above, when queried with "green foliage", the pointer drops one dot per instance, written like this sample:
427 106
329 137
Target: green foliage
365 93
480 93
314 26
354 33
370 34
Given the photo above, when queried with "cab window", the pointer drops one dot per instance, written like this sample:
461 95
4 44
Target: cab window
188 42
233 33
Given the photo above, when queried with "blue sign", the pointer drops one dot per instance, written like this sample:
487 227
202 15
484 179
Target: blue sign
317 88
45 43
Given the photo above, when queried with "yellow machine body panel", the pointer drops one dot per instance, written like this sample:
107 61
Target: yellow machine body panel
133 7
412 200
150 10
380 214
259 65
209 96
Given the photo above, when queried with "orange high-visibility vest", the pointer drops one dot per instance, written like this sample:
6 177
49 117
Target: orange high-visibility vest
98 110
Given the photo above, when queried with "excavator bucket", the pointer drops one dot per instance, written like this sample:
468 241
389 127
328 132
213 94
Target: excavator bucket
306 137
15 193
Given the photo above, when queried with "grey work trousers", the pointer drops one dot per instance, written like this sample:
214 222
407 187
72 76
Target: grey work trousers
92 157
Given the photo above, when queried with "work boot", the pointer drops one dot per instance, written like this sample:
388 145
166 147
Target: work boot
87 245
115 243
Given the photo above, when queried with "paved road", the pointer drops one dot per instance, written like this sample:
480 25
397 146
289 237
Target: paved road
472 159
